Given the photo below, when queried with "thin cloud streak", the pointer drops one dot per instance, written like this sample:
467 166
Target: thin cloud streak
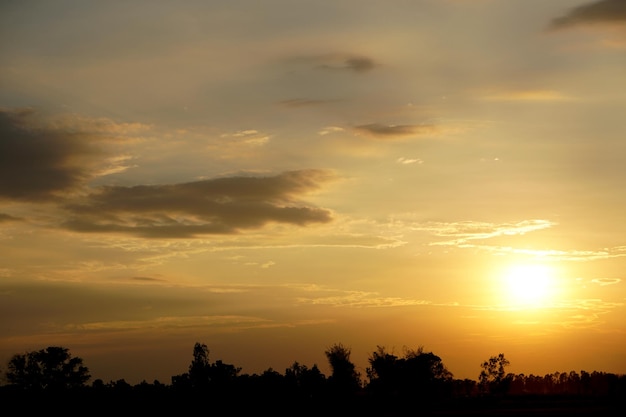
379 130
527 96
362 299
5 218
555 255
306 102
606 281
169 323
465 231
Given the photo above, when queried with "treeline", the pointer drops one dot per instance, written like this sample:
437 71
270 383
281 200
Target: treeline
416 380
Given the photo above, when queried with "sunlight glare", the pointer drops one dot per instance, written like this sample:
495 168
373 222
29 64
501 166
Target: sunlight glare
529 285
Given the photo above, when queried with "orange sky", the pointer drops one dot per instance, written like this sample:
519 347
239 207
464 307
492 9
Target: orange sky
271 178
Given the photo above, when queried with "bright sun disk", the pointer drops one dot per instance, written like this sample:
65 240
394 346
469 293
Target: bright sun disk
529 284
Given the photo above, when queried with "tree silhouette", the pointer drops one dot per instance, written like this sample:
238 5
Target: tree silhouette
426 373
384 372
344 378
418 375
306 383
47 369
493 378
199 369
203 375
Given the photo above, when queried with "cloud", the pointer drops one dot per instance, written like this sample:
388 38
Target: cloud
8 218
38 162
462 232
349 63
361 299
330 129
599 12
249 137
170 322
606 281
527 95
555 254
359 64
305 102
148 279
407 161
42 159
225 205
338 62
379 130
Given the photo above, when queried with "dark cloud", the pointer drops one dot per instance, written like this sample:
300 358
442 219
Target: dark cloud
603 11
351 63
337 62
150 279
359 64
37 161
395 131
216 206
8 218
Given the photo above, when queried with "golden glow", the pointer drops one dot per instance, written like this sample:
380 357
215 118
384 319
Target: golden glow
529 285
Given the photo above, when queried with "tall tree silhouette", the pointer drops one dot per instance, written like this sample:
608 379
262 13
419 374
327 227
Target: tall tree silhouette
48 369
199 369
344 378
493 378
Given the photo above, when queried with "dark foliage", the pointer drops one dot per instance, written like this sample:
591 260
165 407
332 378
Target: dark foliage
50 380
52 368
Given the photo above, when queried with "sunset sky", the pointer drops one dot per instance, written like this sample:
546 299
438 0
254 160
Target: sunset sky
273 177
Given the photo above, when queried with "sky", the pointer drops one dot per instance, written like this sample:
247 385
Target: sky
272 178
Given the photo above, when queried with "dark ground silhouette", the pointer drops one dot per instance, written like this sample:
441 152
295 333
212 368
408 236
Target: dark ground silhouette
415 384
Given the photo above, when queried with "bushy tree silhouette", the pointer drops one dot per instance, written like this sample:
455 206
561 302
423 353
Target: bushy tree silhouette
344 379
305 383
52 368
419 375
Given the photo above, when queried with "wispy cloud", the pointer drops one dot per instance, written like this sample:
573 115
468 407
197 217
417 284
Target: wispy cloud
599 12
249 137
408 161
331 129
305 102
359 299
339 62
526 95
606 281
462 232
351 63
147 279
168 322
384 131
554 254
8 218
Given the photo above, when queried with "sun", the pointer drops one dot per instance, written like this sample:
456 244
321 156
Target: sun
529 285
